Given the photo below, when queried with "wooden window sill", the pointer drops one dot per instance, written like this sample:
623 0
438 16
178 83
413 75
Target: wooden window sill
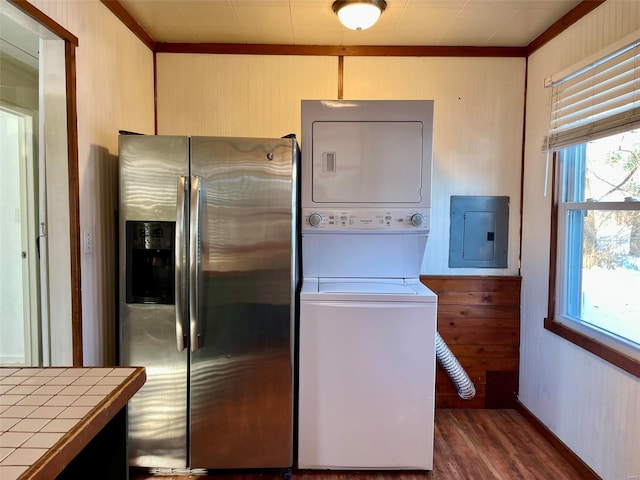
620 360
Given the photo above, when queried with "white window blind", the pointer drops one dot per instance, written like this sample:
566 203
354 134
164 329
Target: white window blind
598 100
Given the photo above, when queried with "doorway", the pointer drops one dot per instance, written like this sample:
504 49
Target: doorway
20 319
40 318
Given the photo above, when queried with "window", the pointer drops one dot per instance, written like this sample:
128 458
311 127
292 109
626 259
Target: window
598 238
594 289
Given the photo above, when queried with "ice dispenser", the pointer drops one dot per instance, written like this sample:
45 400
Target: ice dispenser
150 262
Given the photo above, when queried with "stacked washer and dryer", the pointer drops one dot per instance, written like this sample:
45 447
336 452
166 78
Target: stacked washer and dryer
367 324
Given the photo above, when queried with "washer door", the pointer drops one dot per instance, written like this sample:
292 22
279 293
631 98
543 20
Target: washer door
367 381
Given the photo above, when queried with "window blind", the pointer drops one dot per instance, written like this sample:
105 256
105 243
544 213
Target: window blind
596 101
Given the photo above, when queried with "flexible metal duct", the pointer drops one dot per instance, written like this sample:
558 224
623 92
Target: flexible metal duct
451 365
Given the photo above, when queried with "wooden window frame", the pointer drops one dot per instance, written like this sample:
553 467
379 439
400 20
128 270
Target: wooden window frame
600 349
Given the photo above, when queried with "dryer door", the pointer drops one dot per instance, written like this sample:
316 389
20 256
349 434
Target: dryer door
367 162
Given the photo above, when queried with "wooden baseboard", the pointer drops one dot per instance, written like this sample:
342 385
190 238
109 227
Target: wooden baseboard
583 469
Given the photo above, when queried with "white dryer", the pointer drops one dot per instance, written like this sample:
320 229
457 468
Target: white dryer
367 324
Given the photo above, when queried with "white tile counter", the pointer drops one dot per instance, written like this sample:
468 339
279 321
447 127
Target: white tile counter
48 416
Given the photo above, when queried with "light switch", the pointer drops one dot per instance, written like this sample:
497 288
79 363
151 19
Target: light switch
87 243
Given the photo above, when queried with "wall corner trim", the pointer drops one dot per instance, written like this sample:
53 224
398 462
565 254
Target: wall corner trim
125 17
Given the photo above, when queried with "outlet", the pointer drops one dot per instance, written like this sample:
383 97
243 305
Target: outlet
87 243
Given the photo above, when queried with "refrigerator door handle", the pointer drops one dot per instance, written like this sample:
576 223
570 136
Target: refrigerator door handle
194 263
179 264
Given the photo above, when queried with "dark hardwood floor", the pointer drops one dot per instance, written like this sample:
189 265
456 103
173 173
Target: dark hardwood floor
471 444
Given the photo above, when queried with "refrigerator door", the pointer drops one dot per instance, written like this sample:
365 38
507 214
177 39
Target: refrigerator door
151 168
241 366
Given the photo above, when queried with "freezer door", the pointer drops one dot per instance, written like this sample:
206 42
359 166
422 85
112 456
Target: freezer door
150 169
242 369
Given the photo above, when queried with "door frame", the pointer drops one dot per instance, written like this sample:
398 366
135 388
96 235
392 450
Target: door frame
71 42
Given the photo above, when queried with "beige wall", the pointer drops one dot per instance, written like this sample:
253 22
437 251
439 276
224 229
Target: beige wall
239 95
479 106
477 137
593 407
114 91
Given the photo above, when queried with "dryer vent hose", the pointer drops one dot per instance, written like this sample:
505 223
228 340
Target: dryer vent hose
451 365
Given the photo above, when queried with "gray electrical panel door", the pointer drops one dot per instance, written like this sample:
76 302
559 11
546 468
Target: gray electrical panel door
479 232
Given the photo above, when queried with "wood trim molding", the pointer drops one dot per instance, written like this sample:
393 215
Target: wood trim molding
553 235
624 362
46 21
125 17
337 51
575 14
576 462
74 205
340 77
479 318
155 93
523 151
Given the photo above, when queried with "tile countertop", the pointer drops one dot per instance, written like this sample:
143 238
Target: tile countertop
47 415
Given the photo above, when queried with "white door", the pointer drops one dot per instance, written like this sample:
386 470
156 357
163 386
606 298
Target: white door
19 275
367 382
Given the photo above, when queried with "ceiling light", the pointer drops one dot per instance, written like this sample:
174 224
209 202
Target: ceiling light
359 14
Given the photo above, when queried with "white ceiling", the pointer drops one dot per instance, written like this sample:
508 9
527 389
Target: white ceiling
502 23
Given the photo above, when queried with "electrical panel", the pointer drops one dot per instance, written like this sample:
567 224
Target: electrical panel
479 232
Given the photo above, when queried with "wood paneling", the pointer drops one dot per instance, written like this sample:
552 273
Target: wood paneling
340 50
469 444
479 319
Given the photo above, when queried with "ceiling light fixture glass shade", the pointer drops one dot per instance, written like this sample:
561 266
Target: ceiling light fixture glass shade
359 14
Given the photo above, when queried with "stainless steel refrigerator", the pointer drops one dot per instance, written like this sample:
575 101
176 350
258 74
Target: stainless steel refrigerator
207 299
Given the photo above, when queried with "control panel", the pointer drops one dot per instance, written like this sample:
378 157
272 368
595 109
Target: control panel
151 235
366 219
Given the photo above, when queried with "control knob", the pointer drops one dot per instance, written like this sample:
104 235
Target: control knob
315 219
417 219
